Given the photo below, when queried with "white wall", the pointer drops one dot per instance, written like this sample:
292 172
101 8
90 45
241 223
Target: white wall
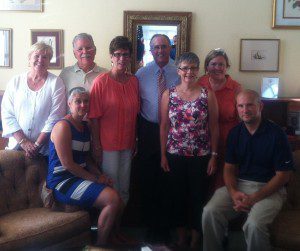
218 23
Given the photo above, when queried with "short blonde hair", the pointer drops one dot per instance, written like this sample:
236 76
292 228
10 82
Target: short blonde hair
41 46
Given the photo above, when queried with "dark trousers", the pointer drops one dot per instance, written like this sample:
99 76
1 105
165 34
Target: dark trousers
150 174
187 190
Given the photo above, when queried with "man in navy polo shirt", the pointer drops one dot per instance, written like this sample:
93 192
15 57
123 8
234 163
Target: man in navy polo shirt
259 150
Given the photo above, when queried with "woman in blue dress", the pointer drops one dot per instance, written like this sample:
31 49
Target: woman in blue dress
73 180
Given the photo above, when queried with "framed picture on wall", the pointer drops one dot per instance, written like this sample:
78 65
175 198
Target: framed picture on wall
55 39
21 5
269 87
5 48
259 55
286 14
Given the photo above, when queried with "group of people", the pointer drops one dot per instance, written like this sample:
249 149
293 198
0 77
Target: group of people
186 130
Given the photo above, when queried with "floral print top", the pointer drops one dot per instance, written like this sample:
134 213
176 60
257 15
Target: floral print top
188 134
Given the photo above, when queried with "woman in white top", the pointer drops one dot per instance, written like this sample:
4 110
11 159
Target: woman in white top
32 103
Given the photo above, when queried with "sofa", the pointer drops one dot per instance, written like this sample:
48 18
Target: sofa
285 230
24 223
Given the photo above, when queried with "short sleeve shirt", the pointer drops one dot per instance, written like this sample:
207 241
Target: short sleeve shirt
73 76
260 155
116 106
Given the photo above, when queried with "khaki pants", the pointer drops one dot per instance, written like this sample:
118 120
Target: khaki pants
219 210
117 165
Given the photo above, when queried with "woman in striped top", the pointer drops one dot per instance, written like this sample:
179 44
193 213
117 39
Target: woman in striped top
75 181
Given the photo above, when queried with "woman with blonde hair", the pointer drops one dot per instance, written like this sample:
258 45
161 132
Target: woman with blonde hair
32 103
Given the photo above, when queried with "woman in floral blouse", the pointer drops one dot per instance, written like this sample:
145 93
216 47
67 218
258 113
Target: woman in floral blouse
189 135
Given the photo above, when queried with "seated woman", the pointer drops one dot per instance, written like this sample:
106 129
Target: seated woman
189 137
32 103
72 179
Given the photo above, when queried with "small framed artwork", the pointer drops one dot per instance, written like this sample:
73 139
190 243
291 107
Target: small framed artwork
21 5
286 14
259 55
269 87
5 48
55 39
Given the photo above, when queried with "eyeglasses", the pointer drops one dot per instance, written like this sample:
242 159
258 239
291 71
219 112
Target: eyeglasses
186 69
221 65
157 47
124 55
88 49
218 49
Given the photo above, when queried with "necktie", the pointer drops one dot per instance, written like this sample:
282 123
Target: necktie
161 84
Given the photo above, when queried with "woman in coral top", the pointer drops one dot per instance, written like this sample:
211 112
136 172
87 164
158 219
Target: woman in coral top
114 105
225 88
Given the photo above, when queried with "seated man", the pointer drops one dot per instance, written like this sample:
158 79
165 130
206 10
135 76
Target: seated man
259 150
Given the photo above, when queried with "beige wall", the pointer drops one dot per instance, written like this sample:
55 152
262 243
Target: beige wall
218 23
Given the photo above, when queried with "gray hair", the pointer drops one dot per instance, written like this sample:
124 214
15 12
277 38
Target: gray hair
76 90
159 35
188 57
83 36
213 54
41 46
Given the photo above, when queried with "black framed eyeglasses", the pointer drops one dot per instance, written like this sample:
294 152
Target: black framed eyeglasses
186 69
118 55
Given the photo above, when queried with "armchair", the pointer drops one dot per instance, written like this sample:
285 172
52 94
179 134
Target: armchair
24 222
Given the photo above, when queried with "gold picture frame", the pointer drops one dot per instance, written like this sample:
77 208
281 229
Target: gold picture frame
286 14
182 20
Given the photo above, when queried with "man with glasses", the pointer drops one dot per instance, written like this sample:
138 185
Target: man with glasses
85 70
154 78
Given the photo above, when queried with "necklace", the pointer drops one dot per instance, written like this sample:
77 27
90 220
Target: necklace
35 82
188 94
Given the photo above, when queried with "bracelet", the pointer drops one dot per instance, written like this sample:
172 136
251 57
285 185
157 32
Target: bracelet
214 153
37 144
22 141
